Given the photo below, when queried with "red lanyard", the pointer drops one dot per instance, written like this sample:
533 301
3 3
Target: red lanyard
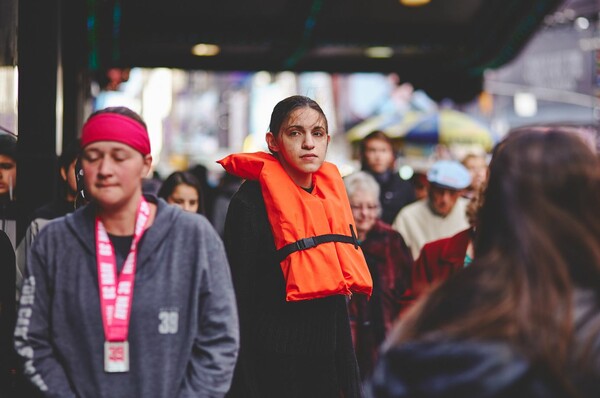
116 294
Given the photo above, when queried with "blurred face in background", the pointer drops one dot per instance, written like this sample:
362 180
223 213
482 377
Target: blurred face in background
442 200
365 209
379 155
8 175
186 197
477 167
473 207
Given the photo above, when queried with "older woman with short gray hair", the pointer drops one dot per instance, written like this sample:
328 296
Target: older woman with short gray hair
390 263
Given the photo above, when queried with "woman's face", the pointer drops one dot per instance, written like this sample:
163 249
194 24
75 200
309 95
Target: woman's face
113 173
365 209
186 197
477 167
379 155
301 144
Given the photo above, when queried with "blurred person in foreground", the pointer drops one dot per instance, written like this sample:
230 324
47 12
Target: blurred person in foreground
378 159
126 296
524 319
182 189
442 213
389 262
295 258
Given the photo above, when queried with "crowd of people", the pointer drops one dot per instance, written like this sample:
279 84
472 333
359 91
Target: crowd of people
473 279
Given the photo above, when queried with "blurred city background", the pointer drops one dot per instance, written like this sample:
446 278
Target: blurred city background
543 66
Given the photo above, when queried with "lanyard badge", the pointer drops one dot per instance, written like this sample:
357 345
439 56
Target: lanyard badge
116 291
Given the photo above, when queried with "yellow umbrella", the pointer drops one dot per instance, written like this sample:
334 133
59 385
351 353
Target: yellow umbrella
398 130
449 127
379 122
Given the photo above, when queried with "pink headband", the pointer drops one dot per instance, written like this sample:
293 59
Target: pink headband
116 127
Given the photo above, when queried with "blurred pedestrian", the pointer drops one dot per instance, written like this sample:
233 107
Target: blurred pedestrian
378 159
524 319
390 264
420 184
151 183
441 258
182 189
442 213
127 296
477 166
228 186
67 186
294 255
8 186
63 204
207 189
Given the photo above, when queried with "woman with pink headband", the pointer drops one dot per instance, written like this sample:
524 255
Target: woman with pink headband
127 296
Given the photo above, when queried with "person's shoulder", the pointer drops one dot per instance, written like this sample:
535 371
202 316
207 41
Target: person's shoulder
172 215
414 208
53 210
249 193
399 181
177 225
54 226
384 228
248 187
483 368
462 201
46 212
437 245
4 240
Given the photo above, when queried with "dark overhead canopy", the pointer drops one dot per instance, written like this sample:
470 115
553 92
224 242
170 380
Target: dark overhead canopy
443 47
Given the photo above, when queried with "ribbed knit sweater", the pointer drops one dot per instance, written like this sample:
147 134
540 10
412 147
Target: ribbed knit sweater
288 349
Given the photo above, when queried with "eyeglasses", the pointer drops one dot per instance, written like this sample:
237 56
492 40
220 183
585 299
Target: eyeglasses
367 207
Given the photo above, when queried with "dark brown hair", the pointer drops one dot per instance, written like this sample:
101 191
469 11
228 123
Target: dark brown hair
538 238
181 177
285 107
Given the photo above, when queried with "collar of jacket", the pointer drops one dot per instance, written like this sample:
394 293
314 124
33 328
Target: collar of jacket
81 222
454 251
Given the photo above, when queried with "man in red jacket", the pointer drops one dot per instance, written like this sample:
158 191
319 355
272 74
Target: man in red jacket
443 257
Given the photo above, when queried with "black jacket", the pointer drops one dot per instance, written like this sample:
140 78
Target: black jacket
288 349
395 193
466 369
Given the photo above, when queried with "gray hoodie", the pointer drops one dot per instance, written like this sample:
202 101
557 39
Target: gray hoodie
183 333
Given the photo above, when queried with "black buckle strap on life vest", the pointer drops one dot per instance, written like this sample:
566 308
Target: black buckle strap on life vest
307 243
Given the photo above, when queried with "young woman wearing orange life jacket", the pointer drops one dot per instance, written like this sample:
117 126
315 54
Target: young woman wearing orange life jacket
294 255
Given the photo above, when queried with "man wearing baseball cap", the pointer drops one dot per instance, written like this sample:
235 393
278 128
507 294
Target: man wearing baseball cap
442 213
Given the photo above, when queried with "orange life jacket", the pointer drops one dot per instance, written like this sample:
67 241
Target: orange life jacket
314 232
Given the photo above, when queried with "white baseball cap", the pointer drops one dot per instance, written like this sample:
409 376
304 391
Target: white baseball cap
449 174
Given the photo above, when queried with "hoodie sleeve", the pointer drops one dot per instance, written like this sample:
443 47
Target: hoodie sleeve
33 340
215 351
